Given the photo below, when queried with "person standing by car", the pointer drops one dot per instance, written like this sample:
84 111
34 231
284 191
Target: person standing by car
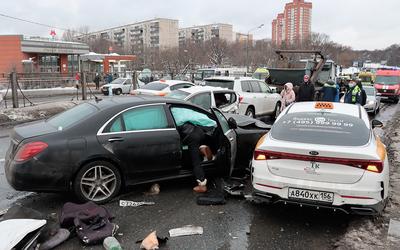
363 94
97 80
329 91
195 129
306 91
288 95
353 94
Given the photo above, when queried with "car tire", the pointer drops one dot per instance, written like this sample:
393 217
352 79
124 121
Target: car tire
98 181
250 112
118 92
277 111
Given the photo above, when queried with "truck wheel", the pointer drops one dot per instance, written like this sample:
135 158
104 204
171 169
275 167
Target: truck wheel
98 181
250 112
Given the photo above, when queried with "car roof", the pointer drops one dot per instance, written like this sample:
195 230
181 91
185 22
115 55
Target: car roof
171 82
133 101
230 78
199 89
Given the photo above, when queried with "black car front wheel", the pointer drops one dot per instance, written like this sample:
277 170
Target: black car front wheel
98 181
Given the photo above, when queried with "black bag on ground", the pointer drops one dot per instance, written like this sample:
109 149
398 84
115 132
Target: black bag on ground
90 221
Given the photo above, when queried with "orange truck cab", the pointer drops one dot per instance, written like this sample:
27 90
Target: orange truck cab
387 84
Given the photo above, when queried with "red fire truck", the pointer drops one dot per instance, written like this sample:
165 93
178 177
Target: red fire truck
387 84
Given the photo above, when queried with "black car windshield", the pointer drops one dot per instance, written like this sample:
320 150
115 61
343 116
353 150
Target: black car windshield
72 116
219 83
321 128
118 81
178 94
388 79
155 86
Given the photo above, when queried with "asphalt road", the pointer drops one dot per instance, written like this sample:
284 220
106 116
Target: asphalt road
236 225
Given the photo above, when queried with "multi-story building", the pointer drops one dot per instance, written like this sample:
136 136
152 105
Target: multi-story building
158 33
203 33
243 38
293 26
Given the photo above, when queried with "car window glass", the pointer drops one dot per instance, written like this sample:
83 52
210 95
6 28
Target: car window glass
321 128
72 116
152 117
245 86
176 86
219 83
255 87
128 82
222 99
203 100
222 120
264 88
155 86
117 125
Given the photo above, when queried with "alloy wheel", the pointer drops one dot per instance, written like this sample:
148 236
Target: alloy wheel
98 183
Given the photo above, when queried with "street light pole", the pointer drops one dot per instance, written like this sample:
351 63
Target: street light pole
247 45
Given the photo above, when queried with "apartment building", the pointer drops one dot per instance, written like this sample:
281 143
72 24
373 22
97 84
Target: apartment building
243 38
203 33
293 26
158 33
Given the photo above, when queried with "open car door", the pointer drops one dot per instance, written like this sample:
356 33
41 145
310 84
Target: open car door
230 135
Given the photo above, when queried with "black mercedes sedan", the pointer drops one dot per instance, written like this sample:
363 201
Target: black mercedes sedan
98 147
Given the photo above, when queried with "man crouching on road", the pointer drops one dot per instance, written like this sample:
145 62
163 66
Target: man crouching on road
196 130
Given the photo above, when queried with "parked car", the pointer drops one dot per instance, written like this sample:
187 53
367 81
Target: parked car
161 87
118 86
209 97
97 147
256 97
324 155
373 100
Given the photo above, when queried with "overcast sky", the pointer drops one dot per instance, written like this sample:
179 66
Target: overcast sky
361 24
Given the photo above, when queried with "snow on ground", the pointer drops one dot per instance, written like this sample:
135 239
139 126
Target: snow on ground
34 112
371 232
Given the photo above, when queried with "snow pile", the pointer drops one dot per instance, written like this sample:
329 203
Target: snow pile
33 112
371 232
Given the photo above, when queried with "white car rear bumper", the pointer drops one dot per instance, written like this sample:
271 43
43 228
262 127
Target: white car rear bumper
366 194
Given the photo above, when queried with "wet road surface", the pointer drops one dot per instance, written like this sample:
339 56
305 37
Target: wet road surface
236 225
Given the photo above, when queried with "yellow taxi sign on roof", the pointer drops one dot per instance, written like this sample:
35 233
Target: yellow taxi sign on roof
323 105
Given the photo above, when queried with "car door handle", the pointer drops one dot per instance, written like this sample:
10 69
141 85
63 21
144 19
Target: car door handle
231 138
115 139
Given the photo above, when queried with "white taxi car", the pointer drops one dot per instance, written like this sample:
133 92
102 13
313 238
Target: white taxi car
324 155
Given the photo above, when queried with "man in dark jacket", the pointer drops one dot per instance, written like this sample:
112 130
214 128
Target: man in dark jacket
329 91
306 91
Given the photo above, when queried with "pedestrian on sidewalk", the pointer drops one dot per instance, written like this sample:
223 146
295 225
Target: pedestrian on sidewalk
329 91
97 80
288 95
77 79
306 91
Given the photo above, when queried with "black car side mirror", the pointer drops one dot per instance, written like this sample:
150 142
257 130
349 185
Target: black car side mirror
232 123
376 124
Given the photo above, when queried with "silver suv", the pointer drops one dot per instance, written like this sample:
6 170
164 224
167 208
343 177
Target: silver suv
256 98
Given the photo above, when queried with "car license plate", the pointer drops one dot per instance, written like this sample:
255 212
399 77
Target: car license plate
303 194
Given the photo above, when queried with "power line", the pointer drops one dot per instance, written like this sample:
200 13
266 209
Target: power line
33 22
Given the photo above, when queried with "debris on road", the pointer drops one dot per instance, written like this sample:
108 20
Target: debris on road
150 242
185 231
154 189
92 222
394 232
61 236
215 198
125 203
111 243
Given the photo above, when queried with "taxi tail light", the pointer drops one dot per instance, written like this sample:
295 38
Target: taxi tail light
161 93
240 99
29 150
375 166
